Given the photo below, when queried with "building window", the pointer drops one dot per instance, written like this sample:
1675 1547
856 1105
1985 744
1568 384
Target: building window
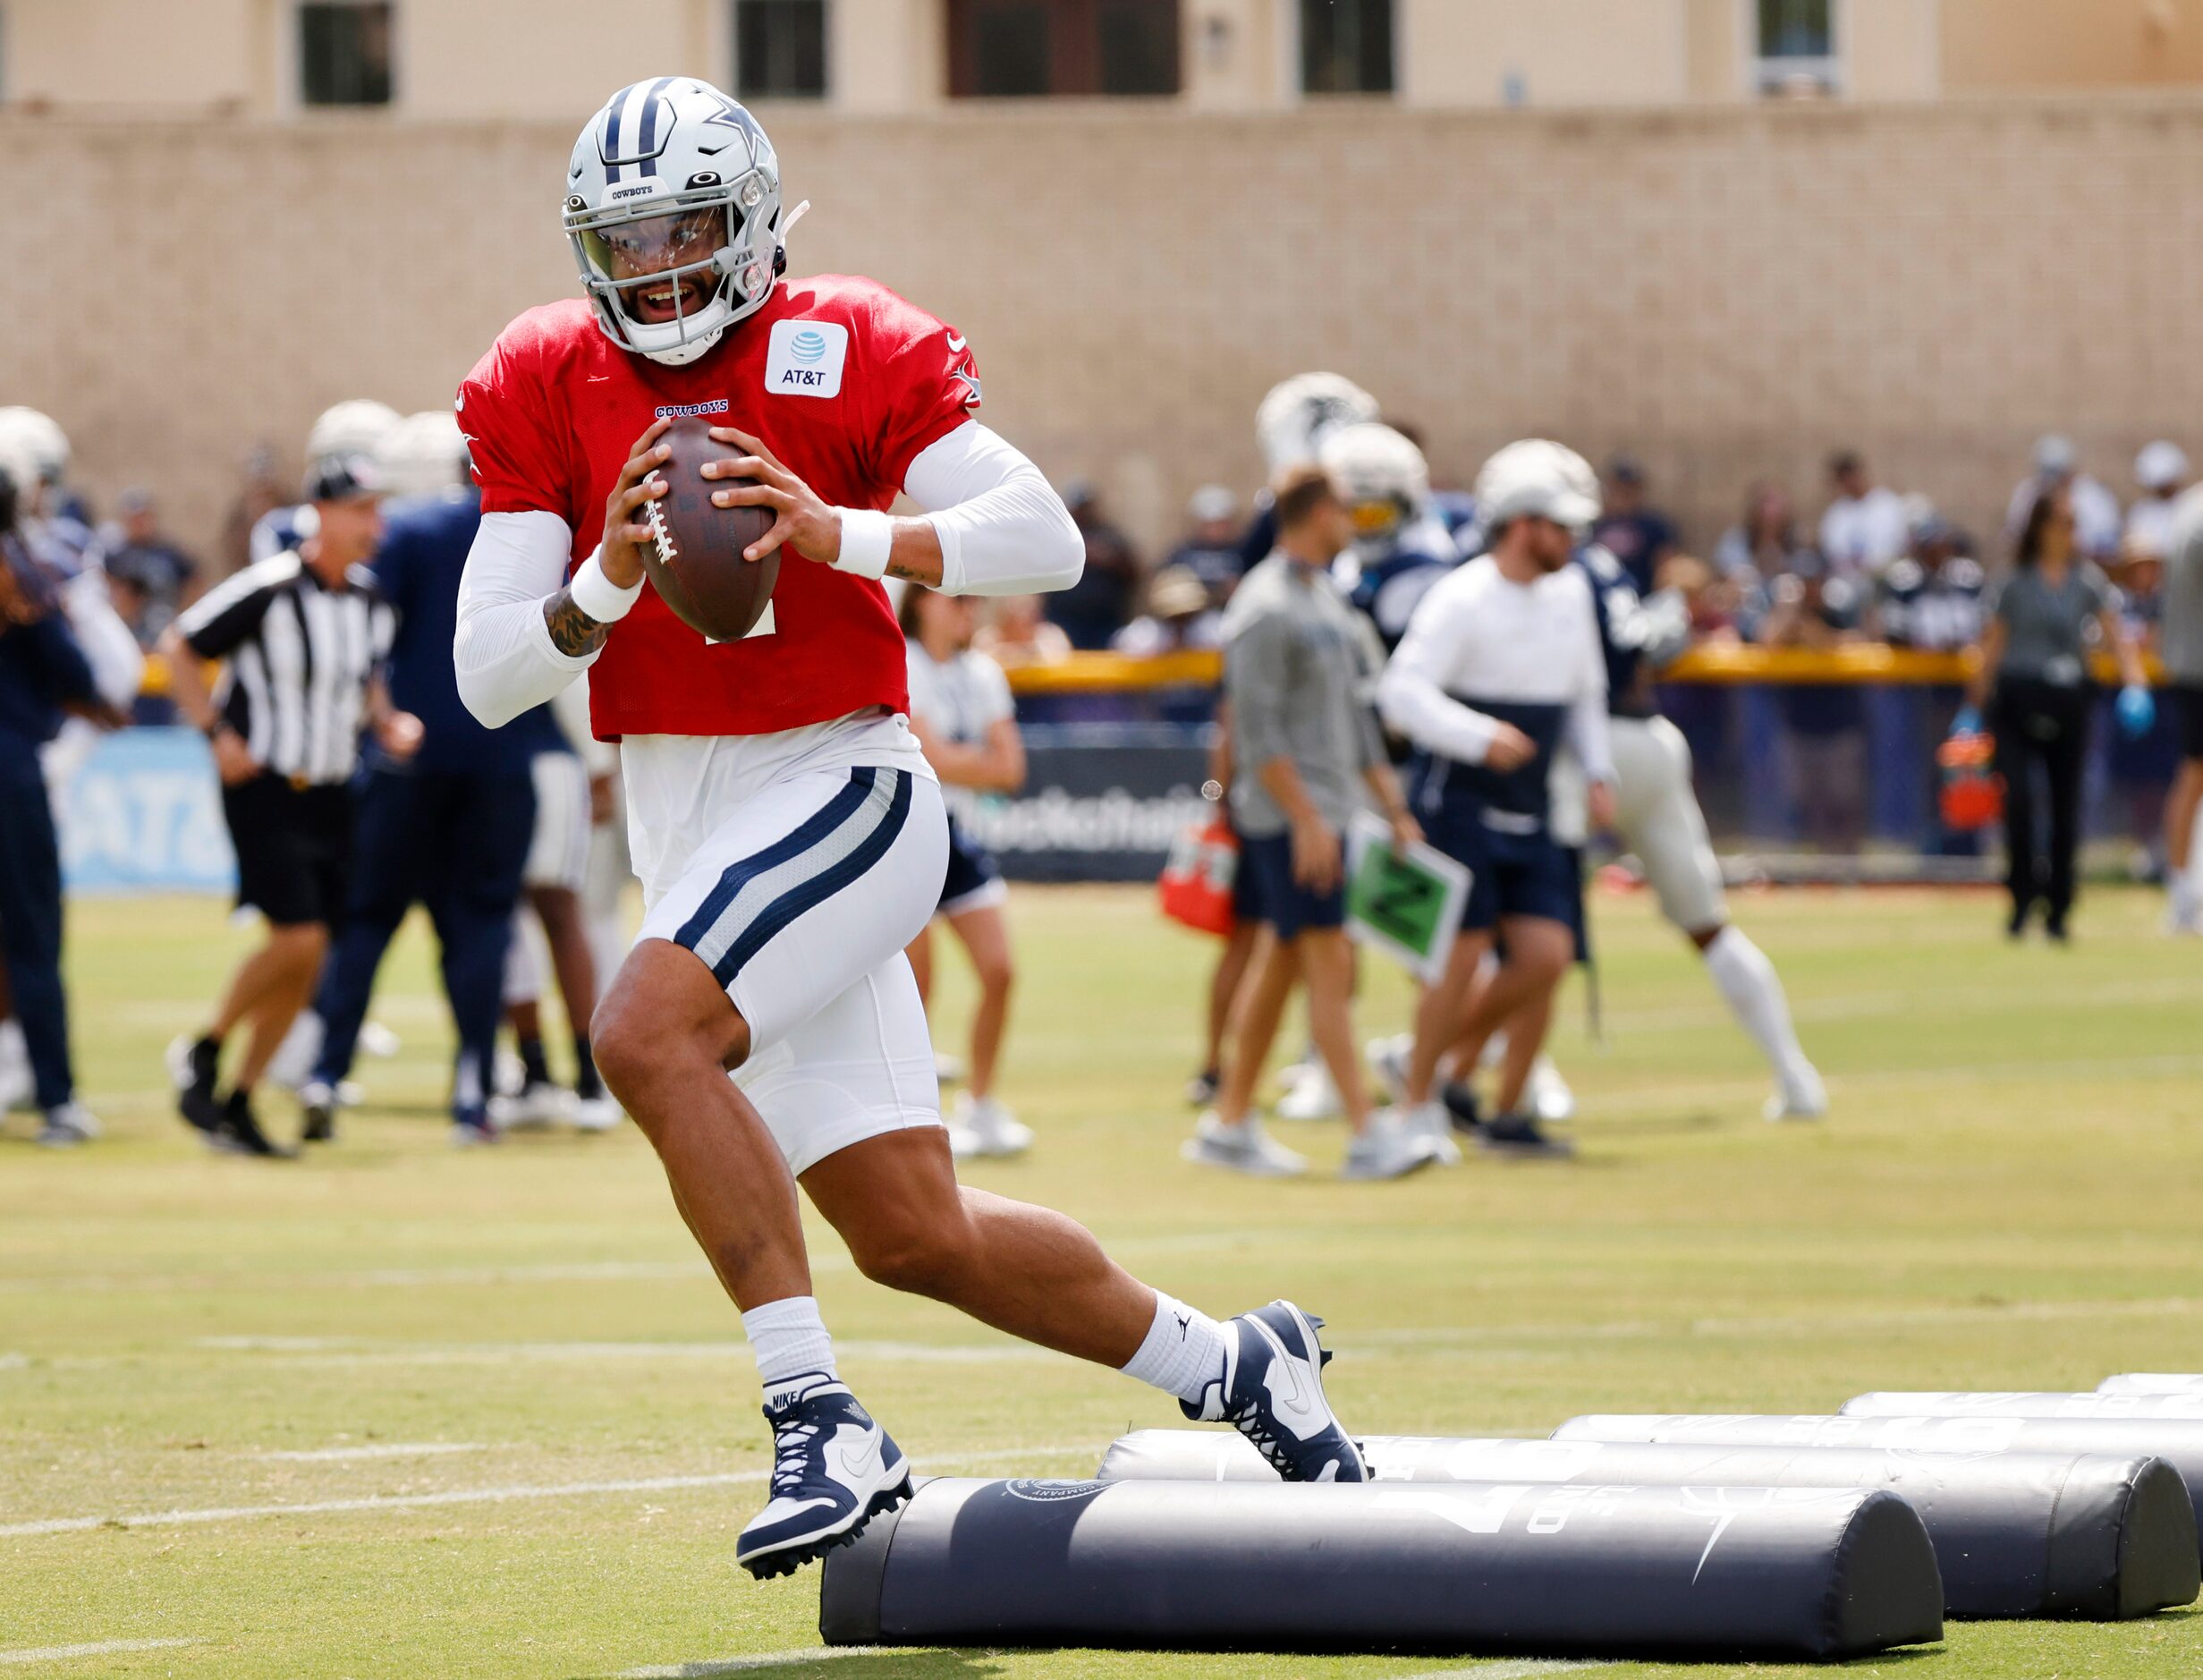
780 49
1346 46
1008 50
345 54
1795 51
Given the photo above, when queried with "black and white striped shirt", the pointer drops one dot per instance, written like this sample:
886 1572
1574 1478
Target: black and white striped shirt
300 656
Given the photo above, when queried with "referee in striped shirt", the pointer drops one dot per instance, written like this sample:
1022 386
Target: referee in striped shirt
303 636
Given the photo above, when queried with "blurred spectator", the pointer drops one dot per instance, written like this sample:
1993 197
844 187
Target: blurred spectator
2033 679
2161 470
150 577
1101 603
1931 598
1824 734
1863 529
1210 551
2094 509
1710 602
1631 530
1752 553
261 495
1179 617
1018 633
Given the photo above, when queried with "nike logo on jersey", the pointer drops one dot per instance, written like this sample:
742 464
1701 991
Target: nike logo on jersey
957 344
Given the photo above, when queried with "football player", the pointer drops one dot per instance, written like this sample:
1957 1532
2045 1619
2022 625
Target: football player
1656 813
788 833
1401 548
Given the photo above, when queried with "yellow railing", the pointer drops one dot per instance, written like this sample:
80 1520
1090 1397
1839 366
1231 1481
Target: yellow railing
1860 663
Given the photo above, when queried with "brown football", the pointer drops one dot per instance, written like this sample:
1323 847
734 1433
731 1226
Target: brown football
696 561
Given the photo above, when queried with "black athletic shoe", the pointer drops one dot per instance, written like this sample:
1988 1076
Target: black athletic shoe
193 1065
318 1111
1519 1134
1460 1104
239 1131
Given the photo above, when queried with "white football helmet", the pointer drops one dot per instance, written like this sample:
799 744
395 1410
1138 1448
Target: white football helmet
38 440
673 204
425 453
358 426
1291 421
1381 473
1538 477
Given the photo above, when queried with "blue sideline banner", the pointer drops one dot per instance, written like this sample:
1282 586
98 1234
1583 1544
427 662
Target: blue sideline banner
1101 801
144 815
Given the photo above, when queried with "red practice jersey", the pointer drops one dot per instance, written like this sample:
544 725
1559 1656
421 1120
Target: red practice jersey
842 380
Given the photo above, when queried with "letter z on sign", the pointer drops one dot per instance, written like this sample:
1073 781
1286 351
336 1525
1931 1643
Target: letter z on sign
805 358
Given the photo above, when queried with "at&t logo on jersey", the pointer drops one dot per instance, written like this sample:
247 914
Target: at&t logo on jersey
805 358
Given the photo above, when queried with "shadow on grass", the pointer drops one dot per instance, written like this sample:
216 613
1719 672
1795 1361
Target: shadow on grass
855 1663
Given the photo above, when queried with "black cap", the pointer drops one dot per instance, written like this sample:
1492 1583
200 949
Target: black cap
342 478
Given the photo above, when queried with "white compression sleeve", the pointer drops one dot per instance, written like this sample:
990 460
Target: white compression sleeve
1004 530
502 650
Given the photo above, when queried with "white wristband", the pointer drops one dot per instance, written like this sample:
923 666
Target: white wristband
597 595
868 540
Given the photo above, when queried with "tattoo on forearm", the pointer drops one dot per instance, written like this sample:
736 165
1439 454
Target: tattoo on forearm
573 631
910 572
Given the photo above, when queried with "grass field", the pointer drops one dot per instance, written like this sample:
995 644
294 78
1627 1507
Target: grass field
396 1411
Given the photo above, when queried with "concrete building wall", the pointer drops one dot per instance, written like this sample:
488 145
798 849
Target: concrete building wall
1727 293
2004 46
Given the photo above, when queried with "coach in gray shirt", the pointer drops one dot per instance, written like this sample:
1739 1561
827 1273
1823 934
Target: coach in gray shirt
1306 751
2181 650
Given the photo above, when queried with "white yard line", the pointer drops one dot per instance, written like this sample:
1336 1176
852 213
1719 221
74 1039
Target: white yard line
711 1667
377 1449
1660 1099
106 1648
14 1361
489 1496
1525 1670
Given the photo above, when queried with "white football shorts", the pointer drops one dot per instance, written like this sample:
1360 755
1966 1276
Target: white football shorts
558 855
811 875
1659 816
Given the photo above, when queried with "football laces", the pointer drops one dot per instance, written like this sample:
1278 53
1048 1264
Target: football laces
661 534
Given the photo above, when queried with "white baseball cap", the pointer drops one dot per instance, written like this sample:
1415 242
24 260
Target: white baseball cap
2161 465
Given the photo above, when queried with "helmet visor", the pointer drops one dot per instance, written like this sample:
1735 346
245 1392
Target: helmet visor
660 267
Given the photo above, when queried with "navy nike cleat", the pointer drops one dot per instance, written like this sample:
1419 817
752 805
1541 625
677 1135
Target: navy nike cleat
1272 1391
834 1470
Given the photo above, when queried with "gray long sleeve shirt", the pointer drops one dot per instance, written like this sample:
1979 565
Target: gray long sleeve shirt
1297 676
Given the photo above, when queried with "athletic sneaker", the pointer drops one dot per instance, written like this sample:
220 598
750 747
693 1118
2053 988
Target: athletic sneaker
1519 1134
536 1107
1311 1095
239 1131
1202 1088
1245 1148
192 1067
318 1112
1431 1123
1459 1099
596 1114
68 1125
1387 1148
1547 1093
984 1128
834 1470
1799 1095
377 1039
472 1129
1272 1391
16 1084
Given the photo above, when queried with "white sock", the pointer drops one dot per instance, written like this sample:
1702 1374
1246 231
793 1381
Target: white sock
1183 1352
2180 886
1754 992
14 1050
790 1341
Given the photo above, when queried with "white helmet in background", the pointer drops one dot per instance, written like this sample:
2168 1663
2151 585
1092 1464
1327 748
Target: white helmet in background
425 452
1539 478
39 440
1292 420
673 202
1381 473
2162 465
358 426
